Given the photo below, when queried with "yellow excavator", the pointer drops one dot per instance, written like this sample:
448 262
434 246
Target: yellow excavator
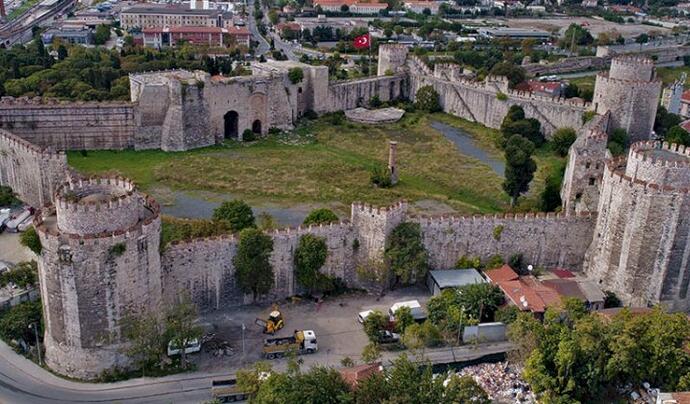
274 322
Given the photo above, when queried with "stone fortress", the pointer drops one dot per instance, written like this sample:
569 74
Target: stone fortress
624 220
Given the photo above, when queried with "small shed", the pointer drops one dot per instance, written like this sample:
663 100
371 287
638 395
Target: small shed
452 278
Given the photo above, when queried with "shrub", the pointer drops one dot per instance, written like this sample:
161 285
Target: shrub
677 135
320 216
381 177
248 136
117 250
588 116
507 314
23 274
310 114
403 319
375 101
30 240
426 99
562 139
296 75
374 324
498 230
466 262
618 142
16 322
236 214
7 197
501 96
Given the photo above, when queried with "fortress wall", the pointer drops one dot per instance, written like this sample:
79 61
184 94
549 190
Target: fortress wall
548 240
204 267
70 126
33 172
352 94
478 102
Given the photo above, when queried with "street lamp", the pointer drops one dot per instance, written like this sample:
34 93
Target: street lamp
38 344
243 328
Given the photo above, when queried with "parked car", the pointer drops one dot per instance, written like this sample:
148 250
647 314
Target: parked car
388 337
363 315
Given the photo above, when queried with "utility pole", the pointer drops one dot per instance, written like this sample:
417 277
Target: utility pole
243 328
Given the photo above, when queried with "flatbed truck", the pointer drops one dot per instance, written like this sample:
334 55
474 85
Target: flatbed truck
302 342
226 391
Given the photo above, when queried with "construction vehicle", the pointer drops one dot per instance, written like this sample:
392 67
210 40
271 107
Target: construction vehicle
226 391
274 322
303 341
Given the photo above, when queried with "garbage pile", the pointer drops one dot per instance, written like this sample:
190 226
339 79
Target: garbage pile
501 382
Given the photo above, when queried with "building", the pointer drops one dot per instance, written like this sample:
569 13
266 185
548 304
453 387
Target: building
419 6
138 17
685 104
525 292
543 88
158 37
83 35
356 374
439 280
673 398
354 6
583 290
514 33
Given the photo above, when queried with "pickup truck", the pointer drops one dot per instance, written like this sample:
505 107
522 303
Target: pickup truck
303 341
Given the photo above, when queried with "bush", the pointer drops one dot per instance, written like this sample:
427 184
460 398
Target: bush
320 216
335 118
507 314
31 240
248 136
501 96
466 262
426 99
296 75
16 322
375 101
23 274
374 324
7 197
403 319
381 177
310 114
588 116
618 142
677 135
562 139
235 214
117 250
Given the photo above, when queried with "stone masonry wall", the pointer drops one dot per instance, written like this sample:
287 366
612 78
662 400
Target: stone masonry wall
32 172
479 102
69 126
356 93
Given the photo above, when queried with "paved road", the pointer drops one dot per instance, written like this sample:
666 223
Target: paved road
264 46
22 381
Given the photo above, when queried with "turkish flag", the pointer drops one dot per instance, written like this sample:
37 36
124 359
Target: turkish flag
362 41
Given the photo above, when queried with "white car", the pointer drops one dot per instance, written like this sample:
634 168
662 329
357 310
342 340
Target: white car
363 315
192 346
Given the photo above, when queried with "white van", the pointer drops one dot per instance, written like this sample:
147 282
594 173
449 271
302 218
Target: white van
417 312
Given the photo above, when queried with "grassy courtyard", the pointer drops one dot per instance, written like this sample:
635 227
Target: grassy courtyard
325 164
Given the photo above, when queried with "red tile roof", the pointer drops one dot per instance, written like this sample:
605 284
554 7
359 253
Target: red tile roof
686 96
504 273
565 288
528 294
238 31
562 273
356 374
183 29
685 125
681 397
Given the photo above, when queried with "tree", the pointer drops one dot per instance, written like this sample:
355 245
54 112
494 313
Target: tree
664 120
62 52
7 197
515 74
236 214
642 38
677 135
180 324
296 75
406 254
253 270
15 322
480 300
562 139
403 319
373 389
575 35
520 167
507 314
371 353
273 16
310 255
426 99
146 337
463 389
23 274
102 34
30 240
266 221
320 216
374 324
550 198
318 385
618 142
249 380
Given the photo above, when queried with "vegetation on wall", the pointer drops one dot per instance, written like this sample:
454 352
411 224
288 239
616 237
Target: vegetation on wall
30 240
253 271
405 253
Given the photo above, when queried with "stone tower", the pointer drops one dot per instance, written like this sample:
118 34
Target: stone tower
100 262
641 249
392 57
630 91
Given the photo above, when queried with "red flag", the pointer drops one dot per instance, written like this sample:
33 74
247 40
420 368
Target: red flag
362 41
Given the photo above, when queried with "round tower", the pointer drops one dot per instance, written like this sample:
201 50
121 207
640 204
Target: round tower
392 57
641 244
630 91
100 262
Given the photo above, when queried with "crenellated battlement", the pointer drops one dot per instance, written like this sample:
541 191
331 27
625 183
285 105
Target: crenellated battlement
114 193
20 145
19 102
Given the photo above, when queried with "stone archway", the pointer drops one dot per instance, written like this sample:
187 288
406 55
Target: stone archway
231 125
256 127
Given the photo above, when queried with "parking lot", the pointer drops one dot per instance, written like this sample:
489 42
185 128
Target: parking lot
334 320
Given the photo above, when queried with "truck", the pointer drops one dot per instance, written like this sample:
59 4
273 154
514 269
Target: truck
226 391
303 341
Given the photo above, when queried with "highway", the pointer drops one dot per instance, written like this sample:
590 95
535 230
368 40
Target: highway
264 46
23 382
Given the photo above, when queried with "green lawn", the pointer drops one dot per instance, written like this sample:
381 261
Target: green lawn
669 74
322 163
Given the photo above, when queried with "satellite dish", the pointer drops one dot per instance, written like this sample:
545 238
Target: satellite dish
530 267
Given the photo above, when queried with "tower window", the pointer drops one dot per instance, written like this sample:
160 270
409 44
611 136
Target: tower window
591 180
